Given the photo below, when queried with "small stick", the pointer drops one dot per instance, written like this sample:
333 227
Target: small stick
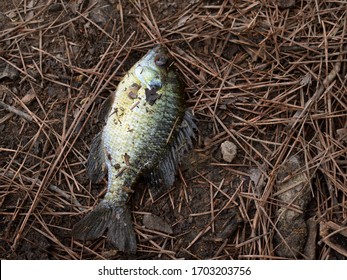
51 188
65 195
327 81
16 111
311 243
27 99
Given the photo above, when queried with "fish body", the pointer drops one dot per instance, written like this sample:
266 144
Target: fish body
147 129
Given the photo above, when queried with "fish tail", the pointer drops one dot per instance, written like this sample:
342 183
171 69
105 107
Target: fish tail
117 219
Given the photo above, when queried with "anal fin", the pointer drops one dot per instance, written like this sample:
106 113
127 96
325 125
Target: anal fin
106 108
96 166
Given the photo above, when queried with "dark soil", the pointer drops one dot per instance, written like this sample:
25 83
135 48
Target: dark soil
60 59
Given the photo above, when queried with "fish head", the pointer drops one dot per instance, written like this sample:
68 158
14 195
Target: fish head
157 58
152 69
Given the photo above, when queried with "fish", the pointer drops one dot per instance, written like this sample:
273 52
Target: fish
147 131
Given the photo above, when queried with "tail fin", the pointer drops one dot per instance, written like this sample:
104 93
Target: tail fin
117 219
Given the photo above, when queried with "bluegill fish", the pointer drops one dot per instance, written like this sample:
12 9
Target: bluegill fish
146 133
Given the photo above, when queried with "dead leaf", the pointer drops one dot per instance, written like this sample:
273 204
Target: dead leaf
154 222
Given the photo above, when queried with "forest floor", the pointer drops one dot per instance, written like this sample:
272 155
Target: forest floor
266 77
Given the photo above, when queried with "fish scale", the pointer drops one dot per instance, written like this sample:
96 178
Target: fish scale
146 132
143 143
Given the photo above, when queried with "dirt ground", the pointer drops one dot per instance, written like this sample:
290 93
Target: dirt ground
266 77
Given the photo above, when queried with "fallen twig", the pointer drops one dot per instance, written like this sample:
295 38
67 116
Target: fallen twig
16 111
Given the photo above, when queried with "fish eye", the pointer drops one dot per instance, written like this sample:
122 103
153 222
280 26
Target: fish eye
160 60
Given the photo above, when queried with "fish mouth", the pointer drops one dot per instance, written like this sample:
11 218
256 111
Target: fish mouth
152 69
157 57
161 57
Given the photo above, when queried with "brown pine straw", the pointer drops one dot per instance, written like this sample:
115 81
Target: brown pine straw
271 80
